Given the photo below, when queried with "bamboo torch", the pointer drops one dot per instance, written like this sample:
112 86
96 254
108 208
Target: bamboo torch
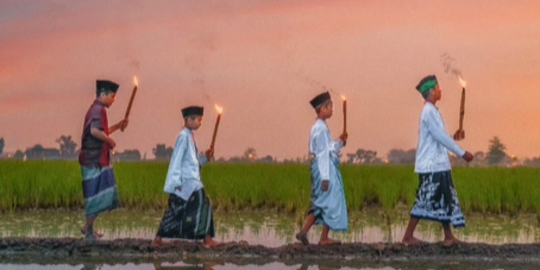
136 82
344 113
219 111
462 106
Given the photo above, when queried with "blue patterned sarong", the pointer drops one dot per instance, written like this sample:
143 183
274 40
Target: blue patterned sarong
329 207
99 190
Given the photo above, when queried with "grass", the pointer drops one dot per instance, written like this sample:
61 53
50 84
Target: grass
285 187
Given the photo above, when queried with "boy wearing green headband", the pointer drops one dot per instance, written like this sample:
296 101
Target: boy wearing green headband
436 197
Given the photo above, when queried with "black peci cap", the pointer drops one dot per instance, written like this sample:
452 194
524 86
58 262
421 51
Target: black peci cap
105 86
320 99
192 110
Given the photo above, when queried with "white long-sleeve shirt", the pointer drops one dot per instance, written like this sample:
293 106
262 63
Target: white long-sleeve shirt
184 168
322 146
434 143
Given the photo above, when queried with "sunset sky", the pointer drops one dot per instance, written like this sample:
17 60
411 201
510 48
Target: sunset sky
263 61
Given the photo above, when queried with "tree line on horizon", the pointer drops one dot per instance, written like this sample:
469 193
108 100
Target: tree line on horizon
495 156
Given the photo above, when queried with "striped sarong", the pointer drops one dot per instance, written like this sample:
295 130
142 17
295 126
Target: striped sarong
437 200
99 190
191 219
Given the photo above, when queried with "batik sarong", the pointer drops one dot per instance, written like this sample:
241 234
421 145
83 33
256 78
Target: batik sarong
99 190
436 199
328 207
191 219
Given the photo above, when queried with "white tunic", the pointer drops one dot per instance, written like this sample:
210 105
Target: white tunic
322 146
185 167
434 143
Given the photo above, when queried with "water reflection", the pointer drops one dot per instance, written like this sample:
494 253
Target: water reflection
89 266
421 265
272 229
215 266
202 266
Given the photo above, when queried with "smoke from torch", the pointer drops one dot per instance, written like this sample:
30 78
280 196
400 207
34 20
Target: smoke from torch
448 67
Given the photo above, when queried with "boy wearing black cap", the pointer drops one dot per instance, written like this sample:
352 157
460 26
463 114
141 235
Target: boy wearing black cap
436 197
189 215
327 203
99 185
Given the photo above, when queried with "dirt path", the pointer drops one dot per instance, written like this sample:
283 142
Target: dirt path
140 250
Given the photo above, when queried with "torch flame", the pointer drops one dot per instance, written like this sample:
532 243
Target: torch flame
462 82
343 97
135 81
219 109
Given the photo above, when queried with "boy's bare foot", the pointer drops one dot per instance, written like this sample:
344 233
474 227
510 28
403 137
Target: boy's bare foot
456 241
158 242
451 241
411 241
302 237
447 243
96 234
329 242
210 243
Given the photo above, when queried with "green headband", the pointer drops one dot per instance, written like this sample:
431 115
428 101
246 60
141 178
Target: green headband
427 85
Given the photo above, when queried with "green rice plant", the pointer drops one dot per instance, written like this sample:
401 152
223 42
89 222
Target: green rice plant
282 187
497 190
378 185
36 184
257 185
141 184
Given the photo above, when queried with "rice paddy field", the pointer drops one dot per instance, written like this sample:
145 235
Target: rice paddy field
282 187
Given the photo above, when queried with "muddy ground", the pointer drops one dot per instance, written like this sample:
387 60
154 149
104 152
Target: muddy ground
66 250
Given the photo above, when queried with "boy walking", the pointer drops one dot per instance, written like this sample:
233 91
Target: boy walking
99 185
436 197
189 215
327 203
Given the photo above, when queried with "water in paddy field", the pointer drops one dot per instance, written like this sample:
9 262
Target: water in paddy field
270 228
